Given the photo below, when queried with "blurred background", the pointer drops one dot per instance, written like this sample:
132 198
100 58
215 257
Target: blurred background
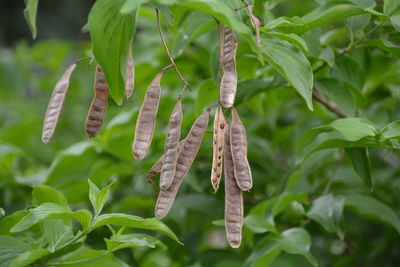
274 119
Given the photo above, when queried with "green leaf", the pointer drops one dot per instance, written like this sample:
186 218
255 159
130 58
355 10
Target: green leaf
135 222
339 94
327 13
359 158
265 252
131 5
89 258
30 15
168 16
390 6
349 71
297 241
390 131
285 199
206 95
51 211
2 212
133 240
29 257
11 248
260 219
327 210
292 64
98 197
395 20
373 208
353 129
291 38
112 34
385 45
8 222
44 193
223 13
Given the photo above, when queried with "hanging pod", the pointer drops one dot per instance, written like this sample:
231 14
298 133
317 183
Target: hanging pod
98 107
147 118
171 146
218 147
129 75
187 153
228 83
233 197
55 104
239 153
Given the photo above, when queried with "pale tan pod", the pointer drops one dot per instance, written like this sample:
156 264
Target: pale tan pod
98 107
218 148
186 155
171 146
228 83
130 75
233 198
155 169
239 153
55 104
147 119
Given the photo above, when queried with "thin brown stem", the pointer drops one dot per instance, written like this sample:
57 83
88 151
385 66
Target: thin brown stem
83 59
254 20
319 97
167 51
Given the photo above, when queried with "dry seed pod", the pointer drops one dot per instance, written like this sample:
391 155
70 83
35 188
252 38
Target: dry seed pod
55 104
233 198
187 152
171 146
239 153
147 119
98 107
218 148
155 169
229 78
129 76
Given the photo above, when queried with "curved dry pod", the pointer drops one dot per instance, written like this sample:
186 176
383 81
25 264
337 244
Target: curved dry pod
187 153
228 83
98 107
155 169
129 75
233 198
239 153
55 104
147 119
218 148
171 146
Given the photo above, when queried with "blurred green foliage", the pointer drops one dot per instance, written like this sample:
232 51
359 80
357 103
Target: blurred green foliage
326 191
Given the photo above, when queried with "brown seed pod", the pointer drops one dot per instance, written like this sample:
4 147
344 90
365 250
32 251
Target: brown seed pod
130 75
239 153
171 146
233 198
155 169
147 118
98 107
187 153
218 148
229 78
55 104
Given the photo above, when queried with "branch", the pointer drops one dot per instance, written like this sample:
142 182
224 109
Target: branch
319 97
168 53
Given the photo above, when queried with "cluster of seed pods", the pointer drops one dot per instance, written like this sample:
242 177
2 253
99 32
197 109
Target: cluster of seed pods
229 139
